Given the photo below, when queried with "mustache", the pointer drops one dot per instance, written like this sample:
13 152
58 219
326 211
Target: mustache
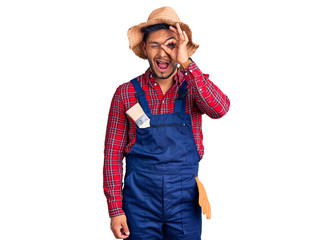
163 60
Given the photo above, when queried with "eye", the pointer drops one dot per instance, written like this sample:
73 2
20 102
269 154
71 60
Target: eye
171 45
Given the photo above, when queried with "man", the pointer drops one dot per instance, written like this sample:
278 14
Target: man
160 195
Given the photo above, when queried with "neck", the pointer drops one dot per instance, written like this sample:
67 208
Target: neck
166 83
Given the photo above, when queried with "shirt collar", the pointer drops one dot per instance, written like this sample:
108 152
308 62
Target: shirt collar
149 77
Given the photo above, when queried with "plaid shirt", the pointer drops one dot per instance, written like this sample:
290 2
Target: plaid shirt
203 97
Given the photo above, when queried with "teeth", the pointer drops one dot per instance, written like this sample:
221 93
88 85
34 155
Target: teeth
161 62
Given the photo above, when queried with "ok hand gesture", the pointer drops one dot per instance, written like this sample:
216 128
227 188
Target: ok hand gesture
176 48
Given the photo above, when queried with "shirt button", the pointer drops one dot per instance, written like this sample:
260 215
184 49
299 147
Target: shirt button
163 101
200 89
185 73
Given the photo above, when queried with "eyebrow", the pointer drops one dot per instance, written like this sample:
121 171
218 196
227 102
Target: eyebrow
169 38
153 42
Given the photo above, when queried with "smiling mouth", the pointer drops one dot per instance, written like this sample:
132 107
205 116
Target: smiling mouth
162 66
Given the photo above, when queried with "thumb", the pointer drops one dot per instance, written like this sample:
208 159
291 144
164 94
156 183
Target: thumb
125 228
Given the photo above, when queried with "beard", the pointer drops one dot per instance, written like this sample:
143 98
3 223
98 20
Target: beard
174 68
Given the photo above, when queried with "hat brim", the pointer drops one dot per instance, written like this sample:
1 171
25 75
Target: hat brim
135 36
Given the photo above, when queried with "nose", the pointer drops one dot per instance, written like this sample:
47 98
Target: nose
162 53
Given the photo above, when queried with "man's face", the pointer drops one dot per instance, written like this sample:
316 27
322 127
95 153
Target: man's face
160 62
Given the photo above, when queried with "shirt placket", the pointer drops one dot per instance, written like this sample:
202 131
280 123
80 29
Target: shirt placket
163 100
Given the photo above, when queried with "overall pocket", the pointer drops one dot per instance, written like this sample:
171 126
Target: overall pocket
134 203
157 138
191 211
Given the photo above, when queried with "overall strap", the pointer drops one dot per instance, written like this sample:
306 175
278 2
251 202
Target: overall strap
180 103
140 95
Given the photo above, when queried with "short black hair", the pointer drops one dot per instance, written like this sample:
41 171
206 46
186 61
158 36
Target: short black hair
153 28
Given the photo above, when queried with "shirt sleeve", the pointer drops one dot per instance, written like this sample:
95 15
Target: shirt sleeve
115 142
208 97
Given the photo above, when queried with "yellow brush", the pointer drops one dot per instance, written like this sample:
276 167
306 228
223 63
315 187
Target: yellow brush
138 115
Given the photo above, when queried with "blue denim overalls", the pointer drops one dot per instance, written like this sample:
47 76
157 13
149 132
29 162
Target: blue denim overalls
160 195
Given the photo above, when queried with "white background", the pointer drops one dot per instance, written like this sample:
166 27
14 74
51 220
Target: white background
268 163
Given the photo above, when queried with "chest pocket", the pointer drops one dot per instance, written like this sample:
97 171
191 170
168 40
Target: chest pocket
164 138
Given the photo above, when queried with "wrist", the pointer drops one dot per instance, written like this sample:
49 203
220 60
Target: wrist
185 64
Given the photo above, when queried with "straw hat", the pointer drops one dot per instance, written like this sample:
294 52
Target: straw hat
160 15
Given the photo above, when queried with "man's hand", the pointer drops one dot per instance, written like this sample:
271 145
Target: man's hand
176 48
119 227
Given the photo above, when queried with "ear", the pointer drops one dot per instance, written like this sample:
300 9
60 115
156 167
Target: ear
143 46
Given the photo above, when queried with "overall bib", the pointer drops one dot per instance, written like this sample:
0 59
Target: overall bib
160 195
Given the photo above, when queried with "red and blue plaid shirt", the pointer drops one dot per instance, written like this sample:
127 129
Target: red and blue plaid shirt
203 97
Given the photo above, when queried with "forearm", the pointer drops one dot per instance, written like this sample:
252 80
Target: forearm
112 184
115 142
209 98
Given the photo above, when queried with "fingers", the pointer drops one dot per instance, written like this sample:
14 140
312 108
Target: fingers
185 36
200 192
170 42
181 34
119 227
173 29
166 49
125 229
204 205
209 214
205 202
206 209
203 199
